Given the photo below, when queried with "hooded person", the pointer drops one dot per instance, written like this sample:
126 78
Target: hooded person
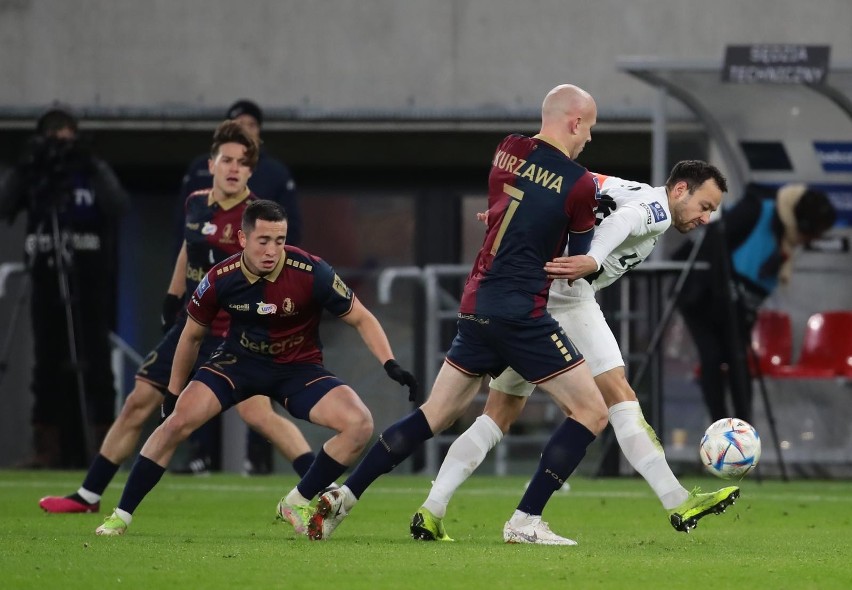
762 233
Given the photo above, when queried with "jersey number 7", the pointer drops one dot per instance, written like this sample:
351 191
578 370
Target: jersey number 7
515 197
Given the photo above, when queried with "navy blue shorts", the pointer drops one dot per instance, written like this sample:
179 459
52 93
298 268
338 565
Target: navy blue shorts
538 349
156 369
236 377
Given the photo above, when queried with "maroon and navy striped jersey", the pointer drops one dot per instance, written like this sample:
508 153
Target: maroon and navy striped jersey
536 194
210 231
277 316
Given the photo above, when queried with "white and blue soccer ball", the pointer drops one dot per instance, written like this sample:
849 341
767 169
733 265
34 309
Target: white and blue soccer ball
730 448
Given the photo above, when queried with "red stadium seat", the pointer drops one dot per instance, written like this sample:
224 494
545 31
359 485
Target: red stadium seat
772 341
826 349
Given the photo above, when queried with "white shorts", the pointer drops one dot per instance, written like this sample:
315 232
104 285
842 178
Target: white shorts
579 314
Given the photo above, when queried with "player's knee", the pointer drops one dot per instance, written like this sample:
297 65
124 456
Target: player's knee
359 428
138 406
177 427
253 416
595 418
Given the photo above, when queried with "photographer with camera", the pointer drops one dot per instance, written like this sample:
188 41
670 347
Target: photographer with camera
73 202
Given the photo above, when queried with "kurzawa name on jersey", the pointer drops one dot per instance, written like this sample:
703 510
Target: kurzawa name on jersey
522 168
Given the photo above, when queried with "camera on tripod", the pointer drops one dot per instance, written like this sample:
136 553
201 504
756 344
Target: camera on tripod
49 167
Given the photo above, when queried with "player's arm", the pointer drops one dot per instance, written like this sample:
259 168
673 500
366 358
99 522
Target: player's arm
186 354
370 330
610 234
373 335
173 301
177 286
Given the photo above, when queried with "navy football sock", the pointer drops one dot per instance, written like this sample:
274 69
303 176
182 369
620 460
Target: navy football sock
100 474
323 471
302 463
395 444
563 452
143 477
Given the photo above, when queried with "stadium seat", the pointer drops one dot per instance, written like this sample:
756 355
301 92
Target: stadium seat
826 349
772 341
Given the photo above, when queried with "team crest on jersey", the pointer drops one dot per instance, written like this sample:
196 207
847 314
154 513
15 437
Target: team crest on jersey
208 229
266 308
288 307
202 287
341 287
227 234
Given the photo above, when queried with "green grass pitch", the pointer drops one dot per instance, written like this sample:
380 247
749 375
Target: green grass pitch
221 532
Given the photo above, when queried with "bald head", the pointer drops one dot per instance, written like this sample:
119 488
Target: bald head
568 114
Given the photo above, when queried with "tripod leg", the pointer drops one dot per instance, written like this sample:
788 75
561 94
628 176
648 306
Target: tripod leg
770 416
65 291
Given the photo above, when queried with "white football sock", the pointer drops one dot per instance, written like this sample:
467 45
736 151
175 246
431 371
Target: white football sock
465 454
349 499
295 498
124 515
90 497
640 445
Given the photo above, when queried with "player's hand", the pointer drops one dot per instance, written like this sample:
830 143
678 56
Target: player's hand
168 406
483 217
402 377
172 305
570 268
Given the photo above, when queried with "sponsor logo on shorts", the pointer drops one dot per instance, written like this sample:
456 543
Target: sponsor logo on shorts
474 318
266 308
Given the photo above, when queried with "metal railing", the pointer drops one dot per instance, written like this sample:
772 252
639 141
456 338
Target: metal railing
121 354
441 306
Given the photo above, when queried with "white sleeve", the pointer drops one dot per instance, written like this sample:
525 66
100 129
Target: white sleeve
613 230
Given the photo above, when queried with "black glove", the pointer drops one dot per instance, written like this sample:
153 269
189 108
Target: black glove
172 305
402 377
168 406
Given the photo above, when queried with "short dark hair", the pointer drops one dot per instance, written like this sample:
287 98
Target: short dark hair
261 210
230 131
815 214
54 120
695 173
245 107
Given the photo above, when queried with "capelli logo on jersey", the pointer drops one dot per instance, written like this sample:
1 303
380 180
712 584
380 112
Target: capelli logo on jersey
240 306
266 308
208 229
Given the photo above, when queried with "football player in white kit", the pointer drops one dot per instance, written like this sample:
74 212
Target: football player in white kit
631 217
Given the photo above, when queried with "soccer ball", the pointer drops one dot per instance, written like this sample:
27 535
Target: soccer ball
730 448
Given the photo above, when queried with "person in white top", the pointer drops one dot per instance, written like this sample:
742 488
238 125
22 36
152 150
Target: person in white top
631 216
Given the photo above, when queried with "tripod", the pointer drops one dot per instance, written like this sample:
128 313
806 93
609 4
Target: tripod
740 341
62 261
